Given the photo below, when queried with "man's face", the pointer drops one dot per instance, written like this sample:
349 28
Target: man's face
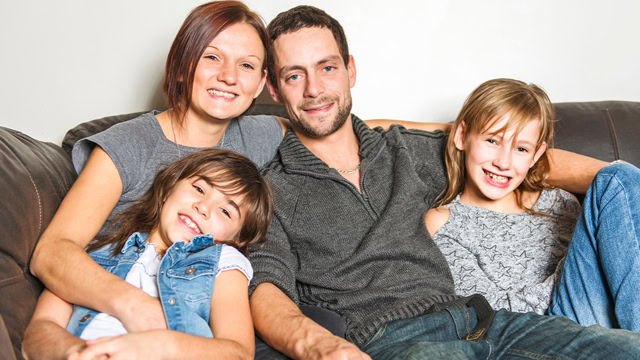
313 82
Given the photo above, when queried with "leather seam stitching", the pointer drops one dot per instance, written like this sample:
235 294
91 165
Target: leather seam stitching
612 132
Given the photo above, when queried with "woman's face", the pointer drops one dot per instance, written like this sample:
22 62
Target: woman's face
228 74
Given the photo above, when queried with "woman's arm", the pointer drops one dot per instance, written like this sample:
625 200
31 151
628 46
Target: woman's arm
230 322
59 259
386 123
46 336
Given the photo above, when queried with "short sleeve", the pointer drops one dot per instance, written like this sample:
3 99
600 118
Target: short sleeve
129 144
232 259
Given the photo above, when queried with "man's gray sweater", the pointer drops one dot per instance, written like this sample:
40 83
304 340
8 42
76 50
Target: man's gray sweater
364 254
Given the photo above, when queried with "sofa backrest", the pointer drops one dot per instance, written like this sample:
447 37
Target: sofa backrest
606 130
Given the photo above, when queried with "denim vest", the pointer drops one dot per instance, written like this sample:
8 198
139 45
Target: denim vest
185 282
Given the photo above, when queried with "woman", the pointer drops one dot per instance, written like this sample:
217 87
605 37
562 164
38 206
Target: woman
214 71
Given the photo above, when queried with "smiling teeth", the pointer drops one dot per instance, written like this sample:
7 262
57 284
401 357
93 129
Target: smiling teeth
498 178
191 224
226 95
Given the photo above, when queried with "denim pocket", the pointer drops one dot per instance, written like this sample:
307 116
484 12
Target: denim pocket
193 280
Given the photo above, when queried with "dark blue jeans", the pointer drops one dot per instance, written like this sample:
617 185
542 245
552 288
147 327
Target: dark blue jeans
511 336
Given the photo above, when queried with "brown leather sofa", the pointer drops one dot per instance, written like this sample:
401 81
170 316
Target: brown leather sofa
36 175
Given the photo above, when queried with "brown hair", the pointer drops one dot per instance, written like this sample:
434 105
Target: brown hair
303 16
229 172
488 103
200 27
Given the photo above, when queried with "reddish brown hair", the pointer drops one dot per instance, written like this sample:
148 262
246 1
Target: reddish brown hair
200 27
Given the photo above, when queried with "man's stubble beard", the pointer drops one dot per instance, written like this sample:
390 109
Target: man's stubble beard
304 128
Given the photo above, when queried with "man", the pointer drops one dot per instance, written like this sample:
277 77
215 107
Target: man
349 233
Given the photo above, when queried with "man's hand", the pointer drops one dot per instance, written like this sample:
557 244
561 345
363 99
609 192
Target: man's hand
142 314
334 348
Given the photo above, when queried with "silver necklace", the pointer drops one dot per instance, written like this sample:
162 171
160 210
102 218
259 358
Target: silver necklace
175 139
348 171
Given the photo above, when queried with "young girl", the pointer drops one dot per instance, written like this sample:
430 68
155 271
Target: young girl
184 242
505 234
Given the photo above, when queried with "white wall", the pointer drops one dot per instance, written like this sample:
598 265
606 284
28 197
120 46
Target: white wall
68 61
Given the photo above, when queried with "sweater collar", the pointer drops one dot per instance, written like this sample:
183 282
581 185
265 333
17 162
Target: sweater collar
295 155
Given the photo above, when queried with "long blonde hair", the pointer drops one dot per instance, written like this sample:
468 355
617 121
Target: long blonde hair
491 102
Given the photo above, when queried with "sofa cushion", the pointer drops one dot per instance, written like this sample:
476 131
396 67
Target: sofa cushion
35 177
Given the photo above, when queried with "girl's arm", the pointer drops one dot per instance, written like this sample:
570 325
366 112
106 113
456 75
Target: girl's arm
46 336
230 322
435 218
59 259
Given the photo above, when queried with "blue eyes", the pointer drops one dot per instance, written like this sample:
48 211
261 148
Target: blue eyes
198 189
518 149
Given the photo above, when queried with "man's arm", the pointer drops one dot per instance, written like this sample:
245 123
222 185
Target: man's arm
572 172
283 326
46 336
60 262
386 123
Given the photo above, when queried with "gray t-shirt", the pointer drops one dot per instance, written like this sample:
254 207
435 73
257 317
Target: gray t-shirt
513 260
139 149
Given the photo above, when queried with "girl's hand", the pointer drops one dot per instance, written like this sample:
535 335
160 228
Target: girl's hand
144 345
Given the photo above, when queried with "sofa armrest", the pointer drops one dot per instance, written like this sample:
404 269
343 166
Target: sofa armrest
35 178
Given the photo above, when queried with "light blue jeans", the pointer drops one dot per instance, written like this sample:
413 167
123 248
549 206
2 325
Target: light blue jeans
511 336
600 282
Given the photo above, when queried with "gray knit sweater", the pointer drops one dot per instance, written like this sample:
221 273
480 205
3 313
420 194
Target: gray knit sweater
513 260
366 255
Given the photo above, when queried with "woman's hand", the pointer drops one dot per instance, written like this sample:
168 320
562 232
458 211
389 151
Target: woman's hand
143 345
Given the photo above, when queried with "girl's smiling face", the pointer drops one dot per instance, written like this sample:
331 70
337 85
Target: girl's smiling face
196 207
497 162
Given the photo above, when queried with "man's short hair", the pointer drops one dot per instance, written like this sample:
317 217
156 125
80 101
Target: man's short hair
299 17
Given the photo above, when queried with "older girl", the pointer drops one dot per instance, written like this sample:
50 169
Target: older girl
505 233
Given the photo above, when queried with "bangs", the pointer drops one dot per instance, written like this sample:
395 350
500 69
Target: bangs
233 182
518 117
